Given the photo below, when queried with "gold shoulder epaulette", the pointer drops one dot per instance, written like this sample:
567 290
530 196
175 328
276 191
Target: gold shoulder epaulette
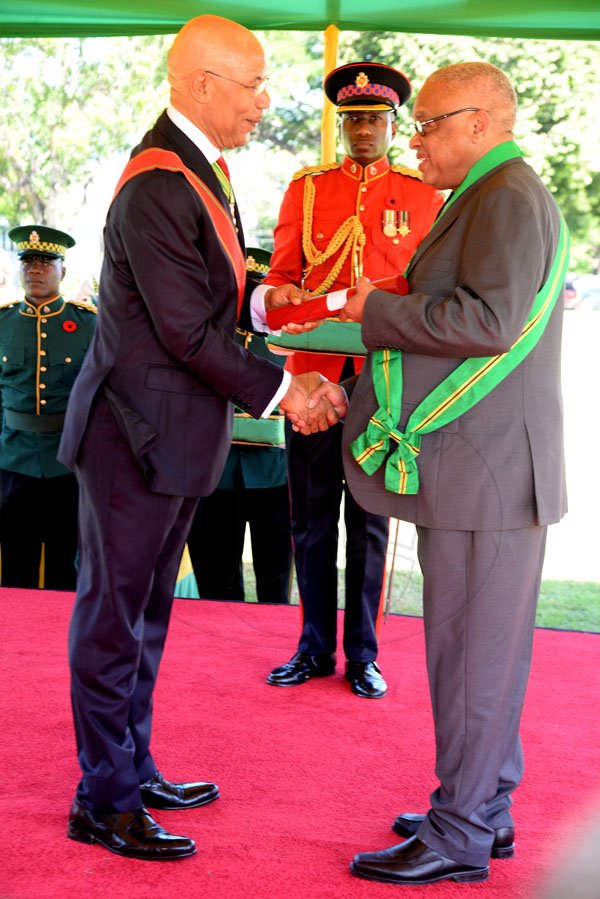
89 306
404 170
316 169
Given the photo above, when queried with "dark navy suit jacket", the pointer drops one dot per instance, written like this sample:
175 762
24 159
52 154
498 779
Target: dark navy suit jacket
164 351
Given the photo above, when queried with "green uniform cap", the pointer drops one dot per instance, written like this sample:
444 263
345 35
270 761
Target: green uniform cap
41 241
258 261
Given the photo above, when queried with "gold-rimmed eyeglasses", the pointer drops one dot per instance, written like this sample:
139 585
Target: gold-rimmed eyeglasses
257 88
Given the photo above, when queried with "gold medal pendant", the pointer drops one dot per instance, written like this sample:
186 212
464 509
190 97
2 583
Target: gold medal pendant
388 222
403 228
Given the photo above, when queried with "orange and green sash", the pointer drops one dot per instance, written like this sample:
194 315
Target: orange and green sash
464 387
156 158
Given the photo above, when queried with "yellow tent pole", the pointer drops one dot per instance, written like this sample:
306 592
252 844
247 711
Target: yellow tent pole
328 135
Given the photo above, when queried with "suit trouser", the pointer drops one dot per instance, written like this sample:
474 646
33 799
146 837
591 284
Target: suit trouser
131 541
316 479
36 511
480 592
216 543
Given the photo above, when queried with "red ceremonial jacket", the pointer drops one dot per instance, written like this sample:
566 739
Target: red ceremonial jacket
374 193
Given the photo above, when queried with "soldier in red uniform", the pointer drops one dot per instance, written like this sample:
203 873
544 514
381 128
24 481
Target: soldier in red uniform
339 221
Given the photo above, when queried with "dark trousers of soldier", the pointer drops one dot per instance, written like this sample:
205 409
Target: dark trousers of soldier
36 511
316 478
216 543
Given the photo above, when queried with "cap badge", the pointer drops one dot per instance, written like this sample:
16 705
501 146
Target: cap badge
34 237
361 80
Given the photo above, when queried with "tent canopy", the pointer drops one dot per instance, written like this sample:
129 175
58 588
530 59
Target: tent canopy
576 20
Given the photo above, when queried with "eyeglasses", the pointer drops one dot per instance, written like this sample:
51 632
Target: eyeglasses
421 126
257 88
42 261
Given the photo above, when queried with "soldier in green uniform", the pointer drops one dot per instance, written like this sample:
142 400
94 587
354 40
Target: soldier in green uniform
43 339
253 491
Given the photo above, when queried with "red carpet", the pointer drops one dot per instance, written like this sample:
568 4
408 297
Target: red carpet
308 776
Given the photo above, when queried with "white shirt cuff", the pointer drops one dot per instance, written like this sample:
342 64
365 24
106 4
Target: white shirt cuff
281 392
258 313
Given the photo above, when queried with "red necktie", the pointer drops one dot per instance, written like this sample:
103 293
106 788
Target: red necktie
221 162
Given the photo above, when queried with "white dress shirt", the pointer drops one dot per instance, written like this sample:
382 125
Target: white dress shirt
212 153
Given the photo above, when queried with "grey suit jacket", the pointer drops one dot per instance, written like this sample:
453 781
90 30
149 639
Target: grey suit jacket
473 281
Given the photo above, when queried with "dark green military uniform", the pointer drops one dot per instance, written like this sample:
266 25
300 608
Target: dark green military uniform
253 490
41 351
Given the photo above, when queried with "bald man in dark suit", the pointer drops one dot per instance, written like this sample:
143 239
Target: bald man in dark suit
149 423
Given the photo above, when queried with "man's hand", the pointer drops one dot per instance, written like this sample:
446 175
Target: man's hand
320 415
333 393
353 310
286 295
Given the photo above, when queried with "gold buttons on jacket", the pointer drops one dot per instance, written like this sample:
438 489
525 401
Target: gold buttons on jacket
68 359
42 386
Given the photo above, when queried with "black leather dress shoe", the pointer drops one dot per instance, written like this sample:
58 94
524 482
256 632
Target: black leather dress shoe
160 793
301 668
504 840
365 679
134 834
413 862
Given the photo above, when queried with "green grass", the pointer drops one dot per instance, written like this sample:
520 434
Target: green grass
567 605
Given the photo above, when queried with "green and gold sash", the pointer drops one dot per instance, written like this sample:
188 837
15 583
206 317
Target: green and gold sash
464 387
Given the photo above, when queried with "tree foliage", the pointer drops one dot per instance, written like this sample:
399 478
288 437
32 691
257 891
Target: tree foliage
557 128
70 104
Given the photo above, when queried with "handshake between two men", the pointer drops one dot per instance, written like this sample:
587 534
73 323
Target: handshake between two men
312 403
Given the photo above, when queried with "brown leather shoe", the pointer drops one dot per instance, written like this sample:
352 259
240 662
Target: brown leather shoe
503 846
300 668
413 862
161 793
134 834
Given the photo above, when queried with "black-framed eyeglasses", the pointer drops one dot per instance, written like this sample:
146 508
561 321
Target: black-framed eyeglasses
257 88
420 127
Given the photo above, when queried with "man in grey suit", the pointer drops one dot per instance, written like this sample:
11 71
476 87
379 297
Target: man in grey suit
476 464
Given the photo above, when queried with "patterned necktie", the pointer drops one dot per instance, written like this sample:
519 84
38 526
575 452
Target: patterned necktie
222 172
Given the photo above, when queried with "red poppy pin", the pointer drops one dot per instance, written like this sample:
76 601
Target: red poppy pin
69 326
